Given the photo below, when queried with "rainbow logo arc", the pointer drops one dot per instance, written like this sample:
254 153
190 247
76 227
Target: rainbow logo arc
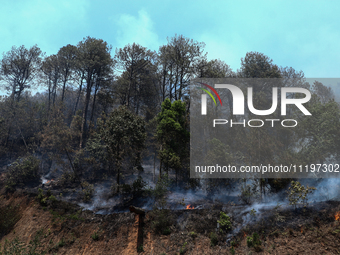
208 92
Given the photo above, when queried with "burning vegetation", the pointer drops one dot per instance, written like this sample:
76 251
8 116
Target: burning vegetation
337 216
190 207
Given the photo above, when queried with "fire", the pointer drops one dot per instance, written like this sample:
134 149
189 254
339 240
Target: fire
48 181
190 207
244 234
337 216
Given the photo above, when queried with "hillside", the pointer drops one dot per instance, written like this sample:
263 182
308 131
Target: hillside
62 228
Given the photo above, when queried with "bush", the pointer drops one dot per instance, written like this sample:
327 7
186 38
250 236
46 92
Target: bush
224 222
161 221
213 239
126 188
47 199
298 193
95 236
158 194
166 231
138 186
254 241
193 234
246 195
23 171
87 191
183 249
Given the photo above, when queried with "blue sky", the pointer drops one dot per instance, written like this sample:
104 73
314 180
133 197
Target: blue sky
302 34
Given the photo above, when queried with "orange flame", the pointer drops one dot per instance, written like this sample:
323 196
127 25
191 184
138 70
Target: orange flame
190 207
244 234
48 181
337 216
301 230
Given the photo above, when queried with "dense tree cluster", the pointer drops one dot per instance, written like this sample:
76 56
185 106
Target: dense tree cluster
96 114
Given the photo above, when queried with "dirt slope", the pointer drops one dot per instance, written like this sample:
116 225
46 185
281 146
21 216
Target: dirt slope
63 229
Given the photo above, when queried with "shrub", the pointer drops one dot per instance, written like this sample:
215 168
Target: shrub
95 236
254 241
213 239
224 222
87 191
183 249
298 193
246 194
138 186
166 231
193 234
161 221
158 194
126 188
22 171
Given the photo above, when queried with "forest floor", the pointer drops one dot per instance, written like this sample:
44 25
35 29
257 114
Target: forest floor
63 228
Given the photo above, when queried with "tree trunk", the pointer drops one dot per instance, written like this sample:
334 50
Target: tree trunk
86 106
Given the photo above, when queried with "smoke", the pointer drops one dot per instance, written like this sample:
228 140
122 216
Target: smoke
101 203
326 189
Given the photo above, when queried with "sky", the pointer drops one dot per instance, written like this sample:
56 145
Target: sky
303 34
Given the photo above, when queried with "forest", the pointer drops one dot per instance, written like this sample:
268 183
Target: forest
90 115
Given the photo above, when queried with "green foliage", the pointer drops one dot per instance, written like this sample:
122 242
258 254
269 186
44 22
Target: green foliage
218 152
161 220
95 236
22 171
18 68
193 234
123 134
158 194
213 239
254 241
173 134
249 241
298 193
319 136
258 65
166 231
61 243
137 188
87 191
47 199
225 222
246 194
183 249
